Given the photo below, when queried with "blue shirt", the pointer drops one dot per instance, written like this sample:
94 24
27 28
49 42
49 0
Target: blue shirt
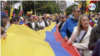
21 22
68 27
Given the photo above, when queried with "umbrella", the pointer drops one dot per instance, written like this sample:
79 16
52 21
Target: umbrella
46 15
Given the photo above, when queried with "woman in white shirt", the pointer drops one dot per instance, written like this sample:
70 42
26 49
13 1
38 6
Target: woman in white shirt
41 23
81 35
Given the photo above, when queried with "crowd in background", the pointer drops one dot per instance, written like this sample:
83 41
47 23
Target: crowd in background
80 30
34 22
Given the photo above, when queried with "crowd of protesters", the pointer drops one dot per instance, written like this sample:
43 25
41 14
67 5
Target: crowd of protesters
34 22
79 30
82 31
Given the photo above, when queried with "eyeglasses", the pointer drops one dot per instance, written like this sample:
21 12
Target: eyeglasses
16 20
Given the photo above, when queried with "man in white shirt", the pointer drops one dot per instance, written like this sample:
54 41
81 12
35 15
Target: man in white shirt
32 23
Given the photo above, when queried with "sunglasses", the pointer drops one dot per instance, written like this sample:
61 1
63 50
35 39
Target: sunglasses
78 11
16 20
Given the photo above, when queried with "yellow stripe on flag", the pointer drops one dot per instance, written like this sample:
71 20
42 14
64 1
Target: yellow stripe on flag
23 41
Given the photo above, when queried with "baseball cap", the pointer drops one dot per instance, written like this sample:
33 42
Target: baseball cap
4 15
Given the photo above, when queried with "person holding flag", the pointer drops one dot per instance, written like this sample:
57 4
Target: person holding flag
21 11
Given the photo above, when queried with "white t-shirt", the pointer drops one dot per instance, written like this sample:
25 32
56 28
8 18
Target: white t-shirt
41 24
82 32
7 26
59 23
33 25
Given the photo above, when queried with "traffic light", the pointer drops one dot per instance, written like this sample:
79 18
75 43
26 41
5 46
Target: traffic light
0 6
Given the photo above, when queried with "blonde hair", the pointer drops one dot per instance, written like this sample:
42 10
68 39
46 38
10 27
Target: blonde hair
79 23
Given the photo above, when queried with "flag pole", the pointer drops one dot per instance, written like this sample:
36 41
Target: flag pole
13 6
10 7
34 8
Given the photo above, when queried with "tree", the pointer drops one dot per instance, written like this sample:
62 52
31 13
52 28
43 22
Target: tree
69 9
8 1
51 7
45 6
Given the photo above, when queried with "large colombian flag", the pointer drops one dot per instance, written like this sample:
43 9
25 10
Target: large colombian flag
23 41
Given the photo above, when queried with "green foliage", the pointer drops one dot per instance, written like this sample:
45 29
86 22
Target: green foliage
45 6
51 7
8 9
69 9
97 7
8 1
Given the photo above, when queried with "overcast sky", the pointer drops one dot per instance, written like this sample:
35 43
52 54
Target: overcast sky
69 3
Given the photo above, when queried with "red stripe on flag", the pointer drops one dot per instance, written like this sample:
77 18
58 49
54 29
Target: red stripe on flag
20 13
92 1
69 48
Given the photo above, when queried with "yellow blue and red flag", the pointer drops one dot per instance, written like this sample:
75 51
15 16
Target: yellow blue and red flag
12 12
21 11
23 41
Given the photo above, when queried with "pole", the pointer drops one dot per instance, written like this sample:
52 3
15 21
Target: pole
85 6
13 3
10 6
34 8
0 5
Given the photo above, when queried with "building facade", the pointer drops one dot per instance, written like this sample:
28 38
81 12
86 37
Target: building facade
62 5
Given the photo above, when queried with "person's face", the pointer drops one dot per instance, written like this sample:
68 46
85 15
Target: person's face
22 20
63 19
77 12
40 20
32 19
60 18
15 21
26 20
98 20
98 15
85 21
4 20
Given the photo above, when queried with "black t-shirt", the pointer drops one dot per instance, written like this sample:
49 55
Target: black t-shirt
60 26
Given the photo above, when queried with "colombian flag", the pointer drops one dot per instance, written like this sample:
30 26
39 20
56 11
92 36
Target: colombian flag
21 11
11 12
23 41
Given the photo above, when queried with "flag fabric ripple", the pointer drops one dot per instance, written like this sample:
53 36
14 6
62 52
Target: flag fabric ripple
23 41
